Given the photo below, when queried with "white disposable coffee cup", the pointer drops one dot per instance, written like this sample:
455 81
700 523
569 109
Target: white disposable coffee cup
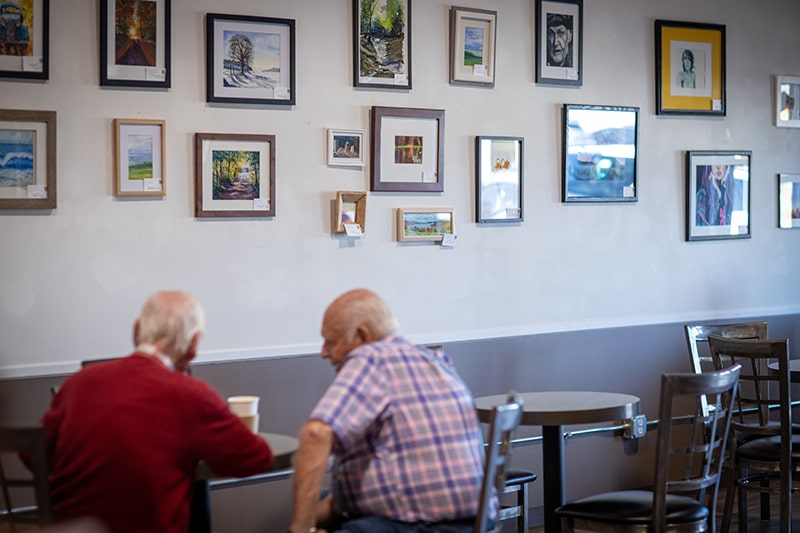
246 408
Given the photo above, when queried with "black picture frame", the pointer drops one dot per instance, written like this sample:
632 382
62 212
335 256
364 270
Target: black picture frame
554 65
120 62
277 88
27 55
600 153
367 70
718 210
499 176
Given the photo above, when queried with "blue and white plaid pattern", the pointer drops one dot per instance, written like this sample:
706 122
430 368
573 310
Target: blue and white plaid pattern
410 447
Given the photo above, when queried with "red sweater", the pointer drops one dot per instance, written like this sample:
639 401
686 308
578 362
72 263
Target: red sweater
125 439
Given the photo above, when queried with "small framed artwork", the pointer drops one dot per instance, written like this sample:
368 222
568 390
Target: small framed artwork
27 159
234 175
787 101
718 195
135 43
139 157
351 208
424 223
600 153
407 149
473 34
498 179
559 42
250 60
382 44
789 200
25 39
346 148
690 68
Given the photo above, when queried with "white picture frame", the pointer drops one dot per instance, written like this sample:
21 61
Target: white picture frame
787 101
346 148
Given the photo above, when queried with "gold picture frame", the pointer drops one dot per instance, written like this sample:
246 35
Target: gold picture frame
424 223
351 208
139 157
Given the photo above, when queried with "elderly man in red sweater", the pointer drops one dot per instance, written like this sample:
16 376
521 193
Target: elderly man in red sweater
126 436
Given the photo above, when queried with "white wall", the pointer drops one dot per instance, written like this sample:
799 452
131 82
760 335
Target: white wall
72 280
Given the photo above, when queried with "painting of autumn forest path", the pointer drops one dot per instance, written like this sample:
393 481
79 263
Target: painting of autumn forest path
135 33
235 175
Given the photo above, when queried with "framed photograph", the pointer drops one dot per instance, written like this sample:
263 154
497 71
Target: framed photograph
600 153
351 208
559 42
787 101
346 148
717 195
424 223
135 43
407 149
382 44
234 175
498 179
27 159
690 68
473 34
250 60
24 39
789 200
139 157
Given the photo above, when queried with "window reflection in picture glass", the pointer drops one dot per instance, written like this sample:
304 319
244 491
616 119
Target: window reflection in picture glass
789 200
499 170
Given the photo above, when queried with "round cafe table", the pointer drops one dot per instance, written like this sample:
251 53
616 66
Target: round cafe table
552 410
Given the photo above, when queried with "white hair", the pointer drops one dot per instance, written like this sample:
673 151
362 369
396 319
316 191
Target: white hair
172 317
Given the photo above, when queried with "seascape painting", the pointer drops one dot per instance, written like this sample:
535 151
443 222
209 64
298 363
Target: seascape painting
235 175
140 157
252 59
16 27
135 27
427 224
473 46
17 149
383 44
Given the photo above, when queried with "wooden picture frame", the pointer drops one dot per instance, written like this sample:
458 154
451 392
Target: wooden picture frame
135 43
718 195
424 223
559 42
346 148
407 149
26 53
499 174
351 208
250 60
140 157
600 153
789 201
473 38
787 101
690 68
381 55
27 159
234 175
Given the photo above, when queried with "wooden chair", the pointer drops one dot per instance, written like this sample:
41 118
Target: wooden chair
505 419
689 454
29 440
762 457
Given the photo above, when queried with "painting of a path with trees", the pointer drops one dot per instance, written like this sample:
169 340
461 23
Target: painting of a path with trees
235 175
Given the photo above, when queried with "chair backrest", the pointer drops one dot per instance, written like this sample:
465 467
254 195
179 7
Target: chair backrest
691 448
30 441
505 419
697 339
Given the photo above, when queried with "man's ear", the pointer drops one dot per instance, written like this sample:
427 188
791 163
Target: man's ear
182 363
363 334
136 333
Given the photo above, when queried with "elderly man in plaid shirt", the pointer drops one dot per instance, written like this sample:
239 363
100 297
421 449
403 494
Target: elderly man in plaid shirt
402 426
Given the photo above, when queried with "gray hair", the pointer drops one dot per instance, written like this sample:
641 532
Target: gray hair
171 317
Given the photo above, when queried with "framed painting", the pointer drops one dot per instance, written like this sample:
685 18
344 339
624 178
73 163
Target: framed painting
346 148
424 223
139 157
789 200
498 179
27 159
351 208
24 39
559 42
787 101
234 175
717 195
407 149
135 43
690 68
600 153
382 44
473 34
250 60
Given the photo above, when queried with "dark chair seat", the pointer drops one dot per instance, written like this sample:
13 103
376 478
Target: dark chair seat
634 507
518 477
768 449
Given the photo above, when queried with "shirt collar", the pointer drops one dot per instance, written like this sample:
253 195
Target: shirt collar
153 351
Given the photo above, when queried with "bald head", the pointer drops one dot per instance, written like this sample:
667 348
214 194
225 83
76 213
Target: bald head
172 321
